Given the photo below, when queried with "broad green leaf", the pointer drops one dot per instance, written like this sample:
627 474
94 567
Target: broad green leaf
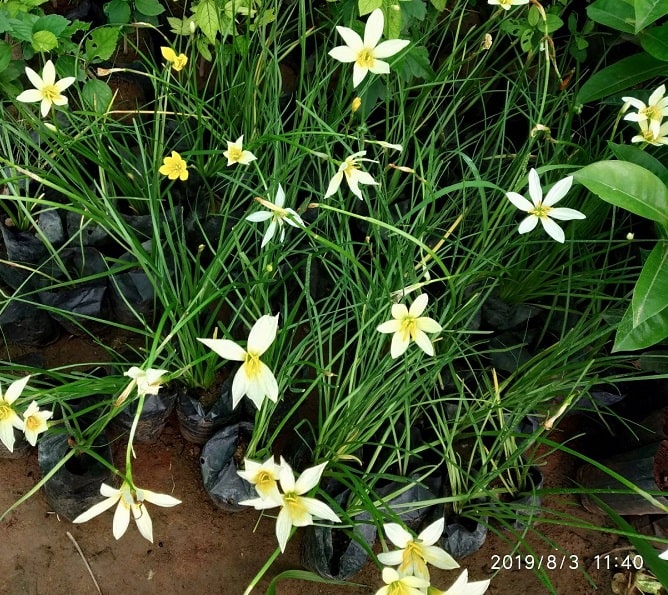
393 19
118 12
650 295
54 23
22 28
628 186
621 76
44 41
648 333
5 55
207 19
203 49
639 157
367 6
149 8
648 12
615 14
413 63
415 9
102 43
439 4
180 26
97 95
655 42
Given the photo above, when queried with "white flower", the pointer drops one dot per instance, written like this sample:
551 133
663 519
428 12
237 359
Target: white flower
462 586
9 419
278 216
415 553
366 53
46 90
664 555
235 153
543 210
506 4
34 422
148 382
254 378
655 110
649 135
410 325
396 583
264 476
297 510
129 500
350 169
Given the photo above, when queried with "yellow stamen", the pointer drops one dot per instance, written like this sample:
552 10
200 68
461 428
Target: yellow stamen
252 365
50 93
5 412
365 58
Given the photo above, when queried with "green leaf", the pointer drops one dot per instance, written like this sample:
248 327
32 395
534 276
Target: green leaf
628 186
304 575
646 334
650 295
180 26
648 12
655 42
207 19
97 95
22 28
415 9
102 43
640 157
615 14
151 8
393 19
413 63
54 23
621 76
203 49
439 4
118 12
5 55
553 23
44 41
367 6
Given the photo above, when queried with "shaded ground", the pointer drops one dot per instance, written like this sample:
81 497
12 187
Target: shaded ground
201 549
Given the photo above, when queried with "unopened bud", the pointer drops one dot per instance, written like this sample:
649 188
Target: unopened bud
357 102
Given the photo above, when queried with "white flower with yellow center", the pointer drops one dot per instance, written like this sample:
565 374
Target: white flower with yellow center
147 382
9 419
648 134
409 325
354 176
264 476
366 53
506 4
254 378
416 552
462 586
47 89
399 584
297 510
278 215
652 113
236 154
130 500
543 210
34 422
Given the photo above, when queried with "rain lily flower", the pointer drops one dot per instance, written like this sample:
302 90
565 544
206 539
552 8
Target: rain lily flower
398 584
253 378
653 113
278 216
47 89
506 4
350 169
462 586
129 500
148 382
174 167
235 153
366 53
648 134
410 325
543 210
178 61
297 510
34 422
9 419
264 476
415 553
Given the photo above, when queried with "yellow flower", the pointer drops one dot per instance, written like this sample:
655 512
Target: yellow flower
177 61
47 89
236 154
174 167
34 421
357 103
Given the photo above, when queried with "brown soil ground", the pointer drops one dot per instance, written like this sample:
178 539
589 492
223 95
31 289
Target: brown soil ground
200 549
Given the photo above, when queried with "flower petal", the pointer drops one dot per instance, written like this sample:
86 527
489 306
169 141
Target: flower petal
225 348
424 342
391 326
334 184
143 520
553 230
535 190
528 224
30 96
397 534
309 478
351 39
121 520
393 558
259 217
428 325
262 334
15 389
96 509
430 534
283 528
160 499
519 201
373 30
35 79
558 191
359 73
419 305
565 214
269 234
319 510
239 386
48 74
343 54
389 48
399 344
